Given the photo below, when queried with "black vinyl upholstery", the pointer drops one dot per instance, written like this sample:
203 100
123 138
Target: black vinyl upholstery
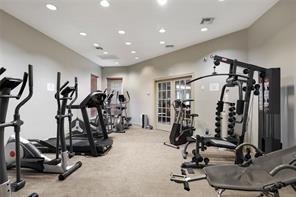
255 177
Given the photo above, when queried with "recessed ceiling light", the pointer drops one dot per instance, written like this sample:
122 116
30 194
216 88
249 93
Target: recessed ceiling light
204 29
121 32
128 43
162 42
162 2
133 52
105 52
83 34
220 0
162 30
51 7
96 45
105 3
136 58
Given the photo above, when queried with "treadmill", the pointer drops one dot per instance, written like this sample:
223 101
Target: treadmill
78 127
91 145
88 144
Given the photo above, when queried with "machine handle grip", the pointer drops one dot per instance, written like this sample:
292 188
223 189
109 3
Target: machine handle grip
76 93
59 88
64 85
30 69
72 93
128 95
2 70
25 79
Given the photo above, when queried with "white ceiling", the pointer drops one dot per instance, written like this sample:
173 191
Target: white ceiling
141 19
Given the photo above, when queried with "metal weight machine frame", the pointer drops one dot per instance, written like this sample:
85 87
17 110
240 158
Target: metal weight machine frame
268 88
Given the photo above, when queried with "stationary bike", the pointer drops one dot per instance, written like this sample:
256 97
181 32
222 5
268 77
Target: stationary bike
31 157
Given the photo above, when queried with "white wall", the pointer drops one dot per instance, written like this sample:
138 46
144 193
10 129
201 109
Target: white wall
140 79
272 43
21 45
114 72
269 42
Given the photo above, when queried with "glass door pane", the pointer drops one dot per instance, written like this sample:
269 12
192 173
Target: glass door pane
166 93
183 91
163 105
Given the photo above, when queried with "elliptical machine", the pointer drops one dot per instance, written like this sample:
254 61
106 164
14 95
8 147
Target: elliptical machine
182 127
121 119
6 86
31 157
107 112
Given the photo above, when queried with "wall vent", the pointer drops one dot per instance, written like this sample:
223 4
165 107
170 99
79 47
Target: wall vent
99 48
170 46
207 21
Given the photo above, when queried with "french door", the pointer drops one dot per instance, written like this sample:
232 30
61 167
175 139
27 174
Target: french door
167 91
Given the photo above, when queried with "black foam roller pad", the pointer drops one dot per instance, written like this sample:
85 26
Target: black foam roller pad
220 106
240 107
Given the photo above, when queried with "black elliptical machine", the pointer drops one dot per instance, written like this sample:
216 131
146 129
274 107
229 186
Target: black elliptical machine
6 86
121 120
183 126
31 157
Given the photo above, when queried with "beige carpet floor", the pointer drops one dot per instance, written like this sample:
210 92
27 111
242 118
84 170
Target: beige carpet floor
137 165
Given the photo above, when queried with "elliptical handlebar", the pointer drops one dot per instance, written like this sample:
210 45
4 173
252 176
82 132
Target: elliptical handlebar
25 79
59 88
26 76
76 93
128 96
64 85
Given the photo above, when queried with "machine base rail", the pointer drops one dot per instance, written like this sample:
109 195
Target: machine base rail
185 179
171 145
70 171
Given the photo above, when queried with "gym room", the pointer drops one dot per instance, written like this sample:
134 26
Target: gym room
142 98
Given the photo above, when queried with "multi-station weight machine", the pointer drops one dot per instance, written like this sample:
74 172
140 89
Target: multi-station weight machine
267 88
